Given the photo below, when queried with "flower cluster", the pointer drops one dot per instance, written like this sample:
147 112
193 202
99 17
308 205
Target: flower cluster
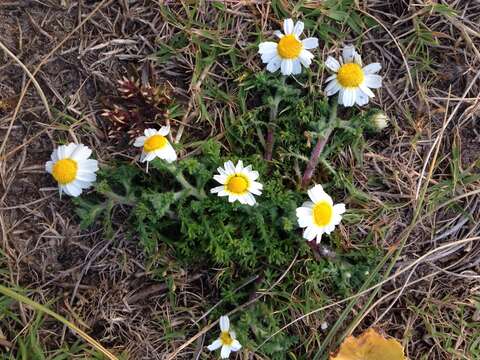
74 171
351 79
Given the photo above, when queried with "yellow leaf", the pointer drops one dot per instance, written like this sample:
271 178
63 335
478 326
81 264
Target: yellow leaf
369 346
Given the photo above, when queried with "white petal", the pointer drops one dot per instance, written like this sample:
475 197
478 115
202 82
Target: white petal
239 167
255 188
49 166
278 34
348 97
54 156
288 26
224 323
236 345
331 77
286 67
332 88
225 352
147 157
269 56
72 189
221 171
229 167
296 67
250 199
332 64
298 29
234 197
373 81
317 194
336 219
167 153
149 132
64 151
361 98
90 165
309 233
217 189
83 184
357 59
139 141
366 90
304 211
372 68
328 229
348 54
305 58
222 179
164 130
310 43
81 152
253 174
304 217
339 208
319 237
215 345
267 47
86 176
274 64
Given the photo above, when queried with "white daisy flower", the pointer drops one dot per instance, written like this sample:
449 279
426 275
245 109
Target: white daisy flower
155 144
227 340
352 79
238 183
71 167
290 53
319 216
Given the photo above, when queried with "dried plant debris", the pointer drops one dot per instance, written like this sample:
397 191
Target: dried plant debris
139 106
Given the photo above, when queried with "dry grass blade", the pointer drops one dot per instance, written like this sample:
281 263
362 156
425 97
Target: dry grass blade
39 307
37 69
32 79
390 278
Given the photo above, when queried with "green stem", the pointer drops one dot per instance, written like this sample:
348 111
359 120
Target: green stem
119 199
175 171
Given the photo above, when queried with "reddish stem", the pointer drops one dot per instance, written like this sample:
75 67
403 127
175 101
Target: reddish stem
271 129
314 158
317 150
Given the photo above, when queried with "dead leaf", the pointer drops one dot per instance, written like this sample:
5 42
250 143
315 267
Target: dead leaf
369 346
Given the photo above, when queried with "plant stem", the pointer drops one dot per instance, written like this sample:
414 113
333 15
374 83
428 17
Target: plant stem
317 150
119 199
187 186
271 128
199 194
271 124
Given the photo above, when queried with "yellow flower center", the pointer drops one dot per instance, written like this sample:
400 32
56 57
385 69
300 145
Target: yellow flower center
350 75
225 338
65 171
154 142
237 184
289 47
322 213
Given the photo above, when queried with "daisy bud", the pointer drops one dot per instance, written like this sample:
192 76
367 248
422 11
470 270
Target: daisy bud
380 121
